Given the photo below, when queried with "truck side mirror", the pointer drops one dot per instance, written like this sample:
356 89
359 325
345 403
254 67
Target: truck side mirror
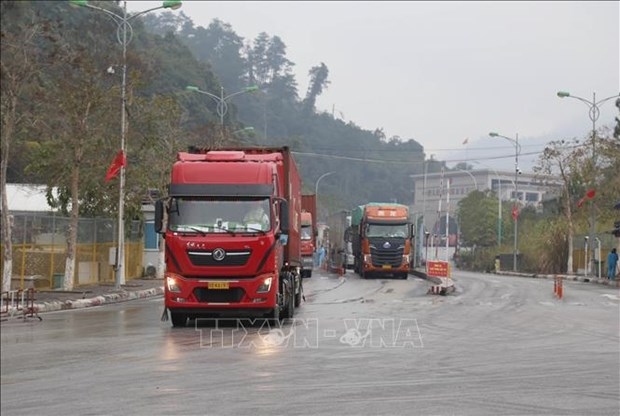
412 230
284 219
159 216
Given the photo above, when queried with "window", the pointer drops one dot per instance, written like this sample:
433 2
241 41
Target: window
531 197
151 239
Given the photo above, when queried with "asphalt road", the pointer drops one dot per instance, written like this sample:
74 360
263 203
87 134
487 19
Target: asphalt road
497 346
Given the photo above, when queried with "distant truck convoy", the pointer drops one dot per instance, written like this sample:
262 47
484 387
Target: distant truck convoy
309 233
231 226
382 239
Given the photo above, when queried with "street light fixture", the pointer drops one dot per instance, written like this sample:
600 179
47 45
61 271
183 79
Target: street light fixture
471 176
594 112
316 186
124 34
515 214
222 100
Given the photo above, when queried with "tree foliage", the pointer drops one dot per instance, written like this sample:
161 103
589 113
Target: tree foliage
478 217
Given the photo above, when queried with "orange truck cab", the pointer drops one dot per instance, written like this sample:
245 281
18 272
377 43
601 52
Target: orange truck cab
382 240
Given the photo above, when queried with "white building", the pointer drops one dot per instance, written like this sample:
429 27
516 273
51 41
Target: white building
429 189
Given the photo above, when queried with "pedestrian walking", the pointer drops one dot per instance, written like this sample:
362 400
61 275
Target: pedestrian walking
612 263
321 256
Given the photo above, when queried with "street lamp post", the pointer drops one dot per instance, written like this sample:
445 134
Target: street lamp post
594 112
316 186
124 34
515 214
222 100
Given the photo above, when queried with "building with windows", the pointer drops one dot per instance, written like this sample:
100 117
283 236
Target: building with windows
429 189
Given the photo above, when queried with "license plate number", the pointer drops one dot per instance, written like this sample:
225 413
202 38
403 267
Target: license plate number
217 285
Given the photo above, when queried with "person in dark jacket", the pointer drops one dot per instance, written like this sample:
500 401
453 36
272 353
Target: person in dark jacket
612 263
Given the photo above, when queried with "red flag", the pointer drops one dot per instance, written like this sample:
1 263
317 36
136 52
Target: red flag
591 193
515 212
118 162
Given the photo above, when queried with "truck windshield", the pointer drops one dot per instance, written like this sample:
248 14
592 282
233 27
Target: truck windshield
306 232
387 230
202 215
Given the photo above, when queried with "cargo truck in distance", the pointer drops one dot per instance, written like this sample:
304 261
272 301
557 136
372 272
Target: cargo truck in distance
309 233
231 227
382 236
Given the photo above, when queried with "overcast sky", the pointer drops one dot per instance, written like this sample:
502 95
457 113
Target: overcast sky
441 72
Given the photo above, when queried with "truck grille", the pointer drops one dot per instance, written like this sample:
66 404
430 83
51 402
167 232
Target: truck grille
233 295
232 258
382 256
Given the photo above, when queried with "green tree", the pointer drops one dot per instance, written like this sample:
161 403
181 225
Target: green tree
318 82
75 135
478 216
562 158
20 69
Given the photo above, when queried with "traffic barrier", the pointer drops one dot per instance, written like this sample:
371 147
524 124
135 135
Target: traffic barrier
16 301
446 286
558 286
437 290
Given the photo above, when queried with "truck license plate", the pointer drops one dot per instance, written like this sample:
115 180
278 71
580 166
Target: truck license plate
217 285
387 266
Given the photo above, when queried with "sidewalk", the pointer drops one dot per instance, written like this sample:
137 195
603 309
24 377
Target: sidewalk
95 295
571 277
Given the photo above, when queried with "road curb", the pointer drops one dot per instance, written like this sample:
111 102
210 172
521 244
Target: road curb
107 299
573 278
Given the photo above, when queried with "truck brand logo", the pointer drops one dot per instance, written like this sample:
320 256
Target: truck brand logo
193 244
219 254
387 244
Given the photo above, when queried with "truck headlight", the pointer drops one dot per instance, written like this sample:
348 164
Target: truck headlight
406 258
367 258
172 284
265 286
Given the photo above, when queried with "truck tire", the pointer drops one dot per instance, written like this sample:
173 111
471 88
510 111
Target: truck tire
178 319
289 309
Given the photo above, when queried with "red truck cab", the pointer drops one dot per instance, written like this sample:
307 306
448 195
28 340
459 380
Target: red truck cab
231 233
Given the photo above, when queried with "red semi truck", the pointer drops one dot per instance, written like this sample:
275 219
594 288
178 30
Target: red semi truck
308 233
231 226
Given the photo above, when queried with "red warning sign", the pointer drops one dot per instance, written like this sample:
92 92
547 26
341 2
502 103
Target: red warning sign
438 268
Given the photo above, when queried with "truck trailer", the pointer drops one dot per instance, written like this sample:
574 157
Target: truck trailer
382 240
231 225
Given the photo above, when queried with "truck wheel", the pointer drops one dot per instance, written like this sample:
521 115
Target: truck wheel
178 319
289 308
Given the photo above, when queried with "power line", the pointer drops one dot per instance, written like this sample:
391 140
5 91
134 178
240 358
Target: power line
401 162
